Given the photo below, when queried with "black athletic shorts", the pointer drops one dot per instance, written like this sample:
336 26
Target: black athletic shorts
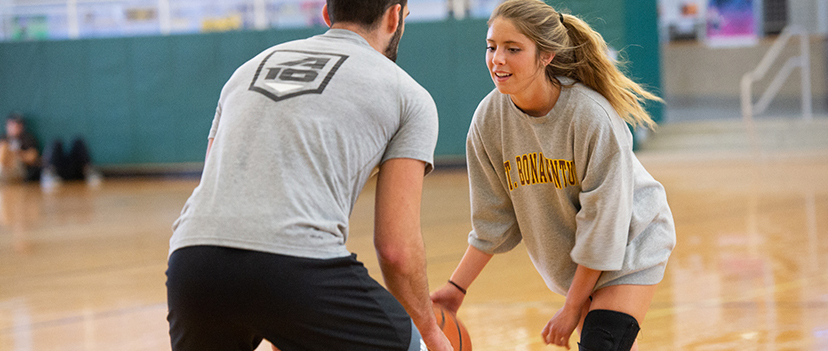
227 299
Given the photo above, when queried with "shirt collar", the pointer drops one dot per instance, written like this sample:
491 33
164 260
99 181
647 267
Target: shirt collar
346 35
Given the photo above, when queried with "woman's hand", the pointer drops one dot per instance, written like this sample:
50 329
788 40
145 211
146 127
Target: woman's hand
561 326
449 297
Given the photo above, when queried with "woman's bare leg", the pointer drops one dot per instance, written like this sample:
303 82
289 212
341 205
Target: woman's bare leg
633 300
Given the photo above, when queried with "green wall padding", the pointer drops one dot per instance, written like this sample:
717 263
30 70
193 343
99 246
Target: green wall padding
643 51
449 60
142 100
150 100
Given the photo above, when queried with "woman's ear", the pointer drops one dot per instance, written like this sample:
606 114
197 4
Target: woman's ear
547 57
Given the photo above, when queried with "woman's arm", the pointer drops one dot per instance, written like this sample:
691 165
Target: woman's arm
561 326
470 266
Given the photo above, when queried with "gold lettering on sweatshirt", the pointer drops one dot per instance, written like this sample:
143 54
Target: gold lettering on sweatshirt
534 168
508 168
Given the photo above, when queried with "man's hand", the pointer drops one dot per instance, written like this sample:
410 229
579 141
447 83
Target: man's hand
436 340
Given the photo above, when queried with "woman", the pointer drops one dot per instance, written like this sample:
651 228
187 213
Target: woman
551 164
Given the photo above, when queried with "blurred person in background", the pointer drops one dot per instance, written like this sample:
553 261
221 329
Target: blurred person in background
19 157
73 165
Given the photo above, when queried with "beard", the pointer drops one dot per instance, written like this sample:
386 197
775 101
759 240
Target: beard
394 44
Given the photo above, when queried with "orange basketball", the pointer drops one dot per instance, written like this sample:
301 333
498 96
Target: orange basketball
455 330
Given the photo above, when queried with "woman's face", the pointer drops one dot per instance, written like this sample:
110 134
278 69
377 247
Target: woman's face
512 58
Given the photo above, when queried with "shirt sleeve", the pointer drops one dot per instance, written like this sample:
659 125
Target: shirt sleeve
605 154
494 224
416 137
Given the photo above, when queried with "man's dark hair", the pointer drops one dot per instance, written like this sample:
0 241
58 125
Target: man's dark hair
364 12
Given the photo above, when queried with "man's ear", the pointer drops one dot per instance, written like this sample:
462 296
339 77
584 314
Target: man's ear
391 18
325 15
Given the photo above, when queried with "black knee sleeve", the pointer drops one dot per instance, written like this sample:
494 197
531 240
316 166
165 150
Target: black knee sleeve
606 330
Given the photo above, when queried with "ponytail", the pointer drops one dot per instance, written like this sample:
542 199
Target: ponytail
580 54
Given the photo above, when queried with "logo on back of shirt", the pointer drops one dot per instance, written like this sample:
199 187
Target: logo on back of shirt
284 74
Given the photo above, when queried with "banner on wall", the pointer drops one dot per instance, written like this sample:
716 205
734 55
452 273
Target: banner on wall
30 28
731 23
39 22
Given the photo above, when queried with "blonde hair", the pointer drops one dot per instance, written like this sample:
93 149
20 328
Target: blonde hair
580 53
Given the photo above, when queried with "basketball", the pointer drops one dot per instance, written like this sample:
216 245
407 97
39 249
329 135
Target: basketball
454 329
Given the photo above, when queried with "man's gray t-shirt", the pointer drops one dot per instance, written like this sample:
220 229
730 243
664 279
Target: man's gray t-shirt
569 186
297 132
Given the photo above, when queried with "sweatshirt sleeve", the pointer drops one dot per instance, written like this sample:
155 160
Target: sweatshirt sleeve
494 225
604 153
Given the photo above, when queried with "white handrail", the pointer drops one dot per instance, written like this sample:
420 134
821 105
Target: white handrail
803 61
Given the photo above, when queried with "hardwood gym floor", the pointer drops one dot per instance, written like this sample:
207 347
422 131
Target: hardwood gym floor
83 268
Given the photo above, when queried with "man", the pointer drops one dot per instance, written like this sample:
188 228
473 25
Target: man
259 249
19 159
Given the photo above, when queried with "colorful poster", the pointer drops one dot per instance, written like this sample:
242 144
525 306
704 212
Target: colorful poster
36 22
140 18
34 27
731 23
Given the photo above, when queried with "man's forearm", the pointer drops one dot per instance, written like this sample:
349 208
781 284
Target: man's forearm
408 282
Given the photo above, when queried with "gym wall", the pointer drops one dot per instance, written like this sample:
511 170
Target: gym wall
148 101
